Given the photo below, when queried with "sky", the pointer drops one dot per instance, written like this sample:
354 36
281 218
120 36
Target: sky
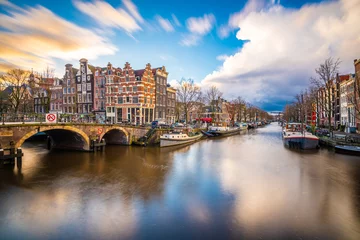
262 50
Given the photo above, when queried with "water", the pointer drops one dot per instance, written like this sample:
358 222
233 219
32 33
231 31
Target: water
241 187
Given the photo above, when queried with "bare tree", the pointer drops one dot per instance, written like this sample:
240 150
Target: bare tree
188 94
326 75
212 95
240 108
16 80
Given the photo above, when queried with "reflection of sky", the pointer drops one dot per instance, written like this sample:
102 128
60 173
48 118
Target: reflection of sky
241 187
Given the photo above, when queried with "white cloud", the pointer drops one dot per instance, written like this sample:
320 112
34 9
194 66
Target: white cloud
236 18
108 16
165 24
190 40
201 25
285 47
133 10
222 57
197 27
32 37
176 20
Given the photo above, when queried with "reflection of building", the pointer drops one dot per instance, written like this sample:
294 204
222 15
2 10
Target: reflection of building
84 88
170 105
69 94
160 76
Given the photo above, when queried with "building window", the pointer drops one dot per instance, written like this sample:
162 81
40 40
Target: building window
138 78
109 72
72 90
79 98
89 97
88 86
127 78
127 99
127 72
128 89
68 82
135 100
120 100
64 90
65 99
69 99
79 87
84 87
120 89
118 73
134 88
145 100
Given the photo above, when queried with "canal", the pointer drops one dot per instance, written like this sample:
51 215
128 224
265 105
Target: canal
241 187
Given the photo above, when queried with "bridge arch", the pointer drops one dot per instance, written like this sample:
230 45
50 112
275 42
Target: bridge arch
116 135
59 134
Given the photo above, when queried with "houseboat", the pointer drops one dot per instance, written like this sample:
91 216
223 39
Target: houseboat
178 138
295 136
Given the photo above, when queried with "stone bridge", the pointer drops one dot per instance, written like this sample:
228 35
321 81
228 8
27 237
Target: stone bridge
70 136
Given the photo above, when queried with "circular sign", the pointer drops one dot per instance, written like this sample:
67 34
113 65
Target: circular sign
51 117
100 130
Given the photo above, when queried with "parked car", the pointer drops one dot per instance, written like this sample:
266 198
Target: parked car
159 124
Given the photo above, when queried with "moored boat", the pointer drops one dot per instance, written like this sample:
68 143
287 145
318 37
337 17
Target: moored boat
350 150
223 131
295 136
178 138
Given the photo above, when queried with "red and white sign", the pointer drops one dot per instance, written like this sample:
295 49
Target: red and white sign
100 130
51 118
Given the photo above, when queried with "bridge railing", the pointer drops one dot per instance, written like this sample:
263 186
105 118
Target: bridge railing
28 118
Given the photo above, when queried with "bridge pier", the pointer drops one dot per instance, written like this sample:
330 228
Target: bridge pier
13 153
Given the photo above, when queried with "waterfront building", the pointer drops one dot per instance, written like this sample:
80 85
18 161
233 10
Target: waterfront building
56 98
347 100
130 94
84 89
357 92
69 90
323 110
160 76
41 93
99 95
114 94
170 105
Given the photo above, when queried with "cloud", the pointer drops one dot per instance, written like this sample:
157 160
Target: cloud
107 16
284 48
190 40
33 37
175 20
222 57
236 18
197 27
201 25
165 24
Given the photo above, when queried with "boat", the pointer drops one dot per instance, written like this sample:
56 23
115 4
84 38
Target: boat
178 138
243 126
295 136
346 149
220 131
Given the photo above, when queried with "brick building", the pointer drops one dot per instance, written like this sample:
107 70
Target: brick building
99 94
56 98
130 94
69 90
170 105
160 76
357 92
84 88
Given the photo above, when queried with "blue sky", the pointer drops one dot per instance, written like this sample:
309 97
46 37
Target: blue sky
206 42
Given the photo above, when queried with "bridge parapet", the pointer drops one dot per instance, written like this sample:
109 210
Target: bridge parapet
70 135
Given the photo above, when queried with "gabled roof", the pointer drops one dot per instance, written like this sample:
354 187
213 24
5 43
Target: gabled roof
139 72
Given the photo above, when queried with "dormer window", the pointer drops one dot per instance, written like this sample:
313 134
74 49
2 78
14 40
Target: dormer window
127 72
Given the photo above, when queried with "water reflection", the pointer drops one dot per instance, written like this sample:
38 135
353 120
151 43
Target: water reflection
247 186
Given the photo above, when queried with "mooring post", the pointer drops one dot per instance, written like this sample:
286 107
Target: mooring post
19 158
12 153
1 157
103 146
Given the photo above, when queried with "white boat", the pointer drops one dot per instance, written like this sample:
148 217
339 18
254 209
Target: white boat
243 126
223 131
178 138
295 136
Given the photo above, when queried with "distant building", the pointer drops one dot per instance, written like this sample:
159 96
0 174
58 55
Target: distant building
170 105
160 76
56 98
